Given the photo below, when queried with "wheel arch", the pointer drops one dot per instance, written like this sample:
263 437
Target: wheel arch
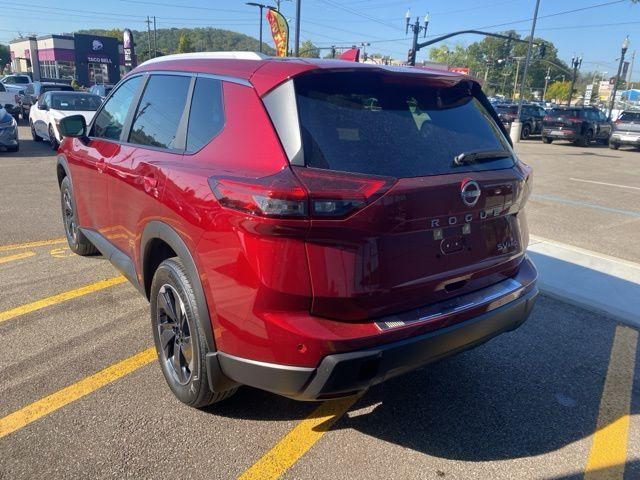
62 169
157 233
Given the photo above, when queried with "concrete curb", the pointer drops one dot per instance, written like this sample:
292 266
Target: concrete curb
590 280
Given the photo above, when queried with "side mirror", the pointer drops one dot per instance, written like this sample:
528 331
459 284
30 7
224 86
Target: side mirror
42 106
73 126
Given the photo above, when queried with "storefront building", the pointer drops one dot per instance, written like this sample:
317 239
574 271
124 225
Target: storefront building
89 59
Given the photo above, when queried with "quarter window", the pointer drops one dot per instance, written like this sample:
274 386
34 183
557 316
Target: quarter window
206 118
160 110
110 121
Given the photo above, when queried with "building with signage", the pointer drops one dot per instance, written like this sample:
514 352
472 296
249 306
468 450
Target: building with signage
89 59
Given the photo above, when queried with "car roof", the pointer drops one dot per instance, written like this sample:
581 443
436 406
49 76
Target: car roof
265 73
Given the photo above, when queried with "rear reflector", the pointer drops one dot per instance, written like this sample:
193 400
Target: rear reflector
311 192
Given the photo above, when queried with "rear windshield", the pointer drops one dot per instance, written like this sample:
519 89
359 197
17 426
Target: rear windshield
85 102
389 125
564 112
507 109
56 88
630 117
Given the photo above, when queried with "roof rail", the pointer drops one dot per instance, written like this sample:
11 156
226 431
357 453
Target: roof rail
209 56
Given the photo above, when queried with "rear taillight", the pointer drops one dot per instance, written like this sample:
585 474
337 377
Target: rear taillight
547 118
279 195
574 120
311 192
338 194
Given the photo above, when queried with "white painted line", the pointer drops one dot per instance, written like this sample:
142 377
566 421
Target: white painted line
588 279
604 183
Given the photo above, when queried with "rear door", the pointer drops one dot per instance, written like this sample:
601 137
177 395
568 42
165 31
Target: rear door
427 227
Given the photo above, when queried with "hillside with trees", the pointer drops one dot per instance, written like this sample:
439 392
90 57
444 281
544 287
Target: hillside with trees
175 40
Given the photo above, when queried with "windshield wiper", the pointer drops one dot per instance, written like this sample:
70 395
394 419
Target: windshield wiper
466 158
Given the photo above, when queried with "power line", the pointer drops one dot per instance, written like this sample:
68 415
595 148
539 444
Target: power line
360 14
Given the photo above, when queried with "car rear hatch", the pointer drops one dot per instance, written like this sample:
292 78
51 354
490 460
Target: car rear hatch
562 117
415 193
629 122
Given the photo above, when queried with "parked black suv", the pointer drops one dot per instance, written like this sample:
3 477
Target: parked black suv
626 130
530 117
580 125
33 91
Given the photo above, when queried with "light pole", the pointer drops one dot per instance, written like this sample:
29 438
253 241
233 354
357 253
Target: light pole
575 63
625 46
296 45
546 82
261 7
516 126
416 28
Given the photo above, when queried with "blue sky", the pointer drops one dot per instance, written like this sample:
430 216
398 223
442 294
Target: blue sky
594 32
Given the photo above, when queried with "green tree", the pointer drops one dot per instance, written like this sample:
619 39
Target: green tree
558 91
184 44
309 50
5 56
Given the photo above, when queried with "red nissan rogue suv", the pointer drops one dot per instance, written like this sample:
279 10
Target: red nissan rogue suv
306 227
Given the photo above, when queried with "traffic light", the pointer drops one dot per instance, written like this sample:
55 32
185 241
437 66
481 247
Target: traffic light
542 50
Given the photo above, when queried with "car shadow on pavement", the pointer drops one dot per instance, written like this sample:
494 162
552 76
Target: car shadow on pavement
528 392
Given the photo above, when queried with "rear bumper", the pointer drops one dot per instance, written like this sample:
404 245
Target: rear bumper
343 374
560 134
622 139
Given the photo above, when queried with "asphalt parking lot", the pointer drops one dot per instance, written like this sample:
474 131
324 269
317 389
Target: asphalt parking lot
82 396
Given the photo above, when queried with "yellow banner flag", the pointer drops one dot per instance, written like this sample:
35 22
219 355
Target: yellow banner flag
279 31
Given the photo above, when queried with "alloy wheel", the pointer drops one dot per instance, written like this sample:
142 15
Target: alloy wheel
69 217
175 334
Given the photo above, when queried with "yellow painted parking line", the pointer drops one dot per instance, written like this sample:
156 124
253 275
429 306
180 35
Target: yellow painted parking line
41 243
608 454
298 441
59 298
17 256
26 415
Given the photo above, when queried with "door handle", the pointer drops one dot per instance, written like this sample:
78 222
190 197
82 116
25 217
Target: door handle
100 165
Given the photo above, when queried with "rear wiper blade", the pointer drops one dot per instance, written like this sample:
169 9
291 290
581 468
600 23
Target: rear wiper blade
465 158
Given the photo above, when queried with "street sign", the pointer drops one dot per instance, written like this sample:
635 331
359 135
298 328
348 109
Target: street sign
587 94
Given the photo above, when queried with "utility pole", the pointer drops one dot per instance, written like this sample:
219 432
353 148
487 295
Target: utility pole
148 22
261 7
625 46
546 82
416 28
296 46
515 79
278 2
633 61
155 38
516 126
575 63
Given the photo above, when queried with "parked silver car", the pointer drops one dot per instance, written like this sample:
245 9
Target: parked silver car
8 132
626 130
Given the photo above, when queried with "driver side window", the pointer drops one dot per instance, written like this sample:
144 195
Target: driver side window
110 121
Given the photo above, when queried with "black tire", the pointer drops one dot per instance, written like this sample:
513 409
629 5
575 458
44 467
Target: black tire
53 141
183 348
526 132
78 243
24 114
13 149
547 140
34 135
614 146
586 139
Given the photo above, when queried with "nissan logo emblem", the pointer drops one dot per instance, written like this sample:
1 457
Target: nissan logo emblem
470 192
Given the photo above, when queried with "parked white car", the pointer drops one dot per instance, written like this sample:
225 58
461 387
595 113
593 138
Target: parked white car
8 100
16 83
52 107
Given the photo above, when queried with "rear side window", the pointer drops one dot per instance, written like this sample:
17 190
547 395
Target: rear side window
22 80
206 118
110 120
391 125
159 112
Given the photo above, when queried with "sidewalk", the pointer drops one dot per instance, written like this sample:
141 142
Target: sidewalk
588 279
